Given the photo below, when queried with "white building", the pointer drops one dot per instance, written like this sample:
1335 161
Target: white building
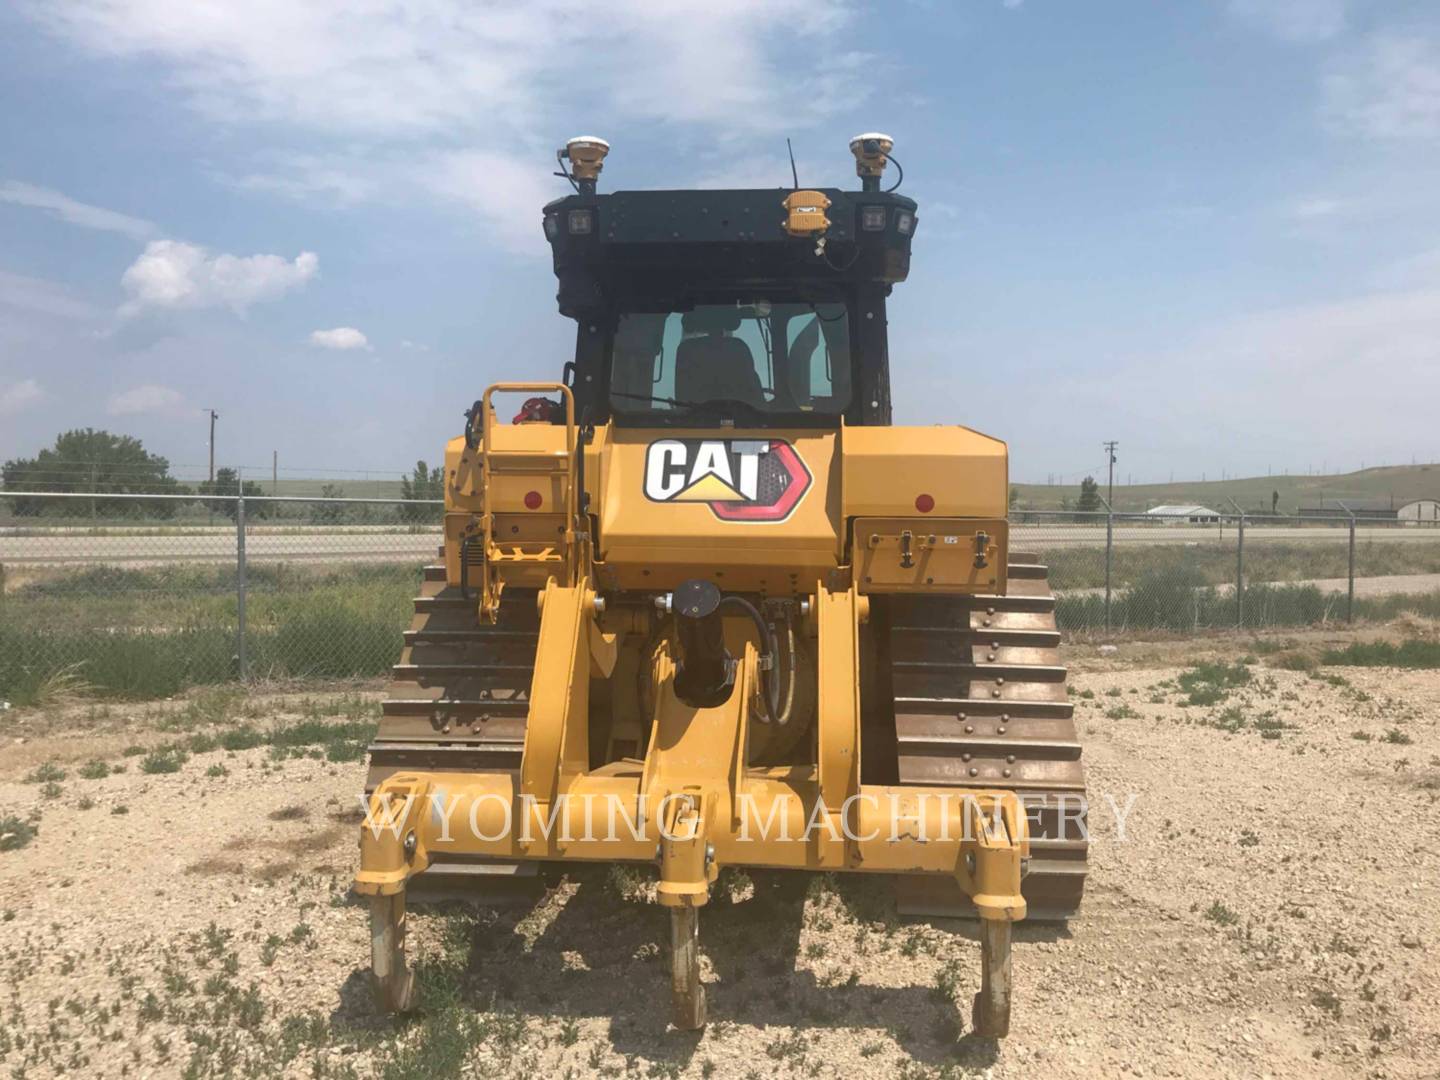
1421 511
1195 515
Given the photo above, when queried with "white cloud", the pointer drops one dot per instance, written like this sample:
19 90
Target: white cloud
452 66
505 191
73 212
1294 20
20 396
394 98
146 399
1389 89
342 337
174 274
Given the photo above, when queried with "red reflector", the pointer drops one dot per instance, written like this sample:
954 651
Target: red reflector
532 500
924 503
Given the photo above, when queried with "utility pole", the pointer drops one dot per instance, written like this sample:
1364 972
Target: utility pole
1110 446
213 417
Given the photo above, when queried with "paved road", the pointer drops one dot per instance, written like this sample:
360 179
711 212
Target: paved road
260 546
69 547
1030 537
1395 584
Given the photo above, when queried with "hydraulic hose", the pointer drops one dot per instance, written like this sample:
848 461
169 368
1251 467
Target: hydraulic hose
767 635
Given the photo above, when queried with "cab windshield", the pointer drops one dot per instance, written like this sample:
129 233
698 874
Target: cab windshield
732 359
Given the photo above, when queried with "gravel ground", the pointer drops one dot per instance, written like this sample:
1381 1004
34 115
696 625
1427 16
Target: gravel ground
1268 911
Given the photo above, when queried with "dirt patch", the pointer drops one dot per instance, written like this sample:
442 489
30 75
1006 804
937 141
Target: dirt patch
1269 910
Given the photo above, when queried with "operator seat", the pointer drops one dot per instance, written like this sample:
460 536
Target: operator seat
714 364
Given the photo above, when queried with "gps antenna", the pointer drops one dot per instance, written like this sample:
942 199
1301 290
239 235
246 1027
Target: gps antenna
793 174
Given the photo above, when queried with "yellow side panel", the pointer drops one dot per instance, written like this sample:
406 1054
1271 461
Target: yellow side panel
887 468
929 554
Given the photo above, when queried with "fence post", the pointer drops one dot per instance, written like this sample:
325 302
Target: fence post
1350 593
1240 575
1109 557
1239 565
240 580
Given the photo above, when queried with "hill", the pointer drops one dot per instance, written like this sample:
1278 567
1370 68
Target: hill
1400 482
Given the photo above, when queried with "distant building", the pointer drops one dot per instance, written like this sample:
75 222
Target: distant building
1195 515
1369 509
1420 511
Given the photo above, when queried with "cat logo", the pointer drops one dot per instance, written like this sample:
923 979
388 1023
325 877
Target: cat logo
740 479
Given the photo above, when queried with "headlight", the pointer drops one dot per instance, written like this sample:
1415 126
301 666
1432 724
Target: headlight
872 218
582 222
905 222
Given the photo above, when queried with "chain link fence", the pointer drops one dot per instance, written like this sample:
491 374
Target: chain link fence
142 596
1136 573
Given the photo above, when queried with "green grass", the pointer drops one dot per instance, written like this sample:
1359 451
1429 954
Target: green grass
153 633
1408 654
1210 560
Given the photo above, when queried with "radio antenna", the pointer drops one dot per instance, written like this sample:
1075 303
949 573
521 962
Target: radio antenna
793 174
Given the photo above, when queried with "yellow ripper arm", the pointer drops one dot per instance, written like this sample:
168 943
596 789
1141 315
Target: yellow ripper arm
693 805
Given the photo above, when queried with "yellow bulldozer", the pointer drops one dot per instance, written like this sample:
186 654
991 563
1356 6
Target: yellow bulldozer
702 605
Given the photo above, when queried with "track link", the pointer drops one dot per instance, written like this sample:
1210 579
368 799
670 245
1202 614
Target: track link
459 698
981 701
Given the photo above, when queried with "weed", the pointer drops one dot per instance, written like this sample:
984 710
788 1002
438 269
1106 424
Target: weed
270 949
1221 915
1209 684
1396 737
1121 712
48 773
51 790
1248 838
1271 727
94 769
1229 720
163 760
85 803
217 770
119 809
15 833
1295 660
241 738
1408 654
1326 999
1361 736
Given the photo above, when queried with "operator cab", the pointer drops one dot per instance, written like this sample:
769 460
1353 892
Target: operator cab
745 307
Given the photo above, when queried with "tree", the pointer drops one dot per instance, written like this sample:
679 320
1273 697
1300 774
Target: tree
1089 501
86 460
1014 497
329 513
227 482
424 483
1274 502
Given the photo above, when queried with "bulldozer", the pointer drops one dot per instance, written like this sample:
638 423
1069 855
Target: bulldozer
701 605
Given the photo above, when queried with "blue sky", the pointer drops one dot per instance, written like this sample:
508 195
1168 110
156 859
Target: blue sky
1207 229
